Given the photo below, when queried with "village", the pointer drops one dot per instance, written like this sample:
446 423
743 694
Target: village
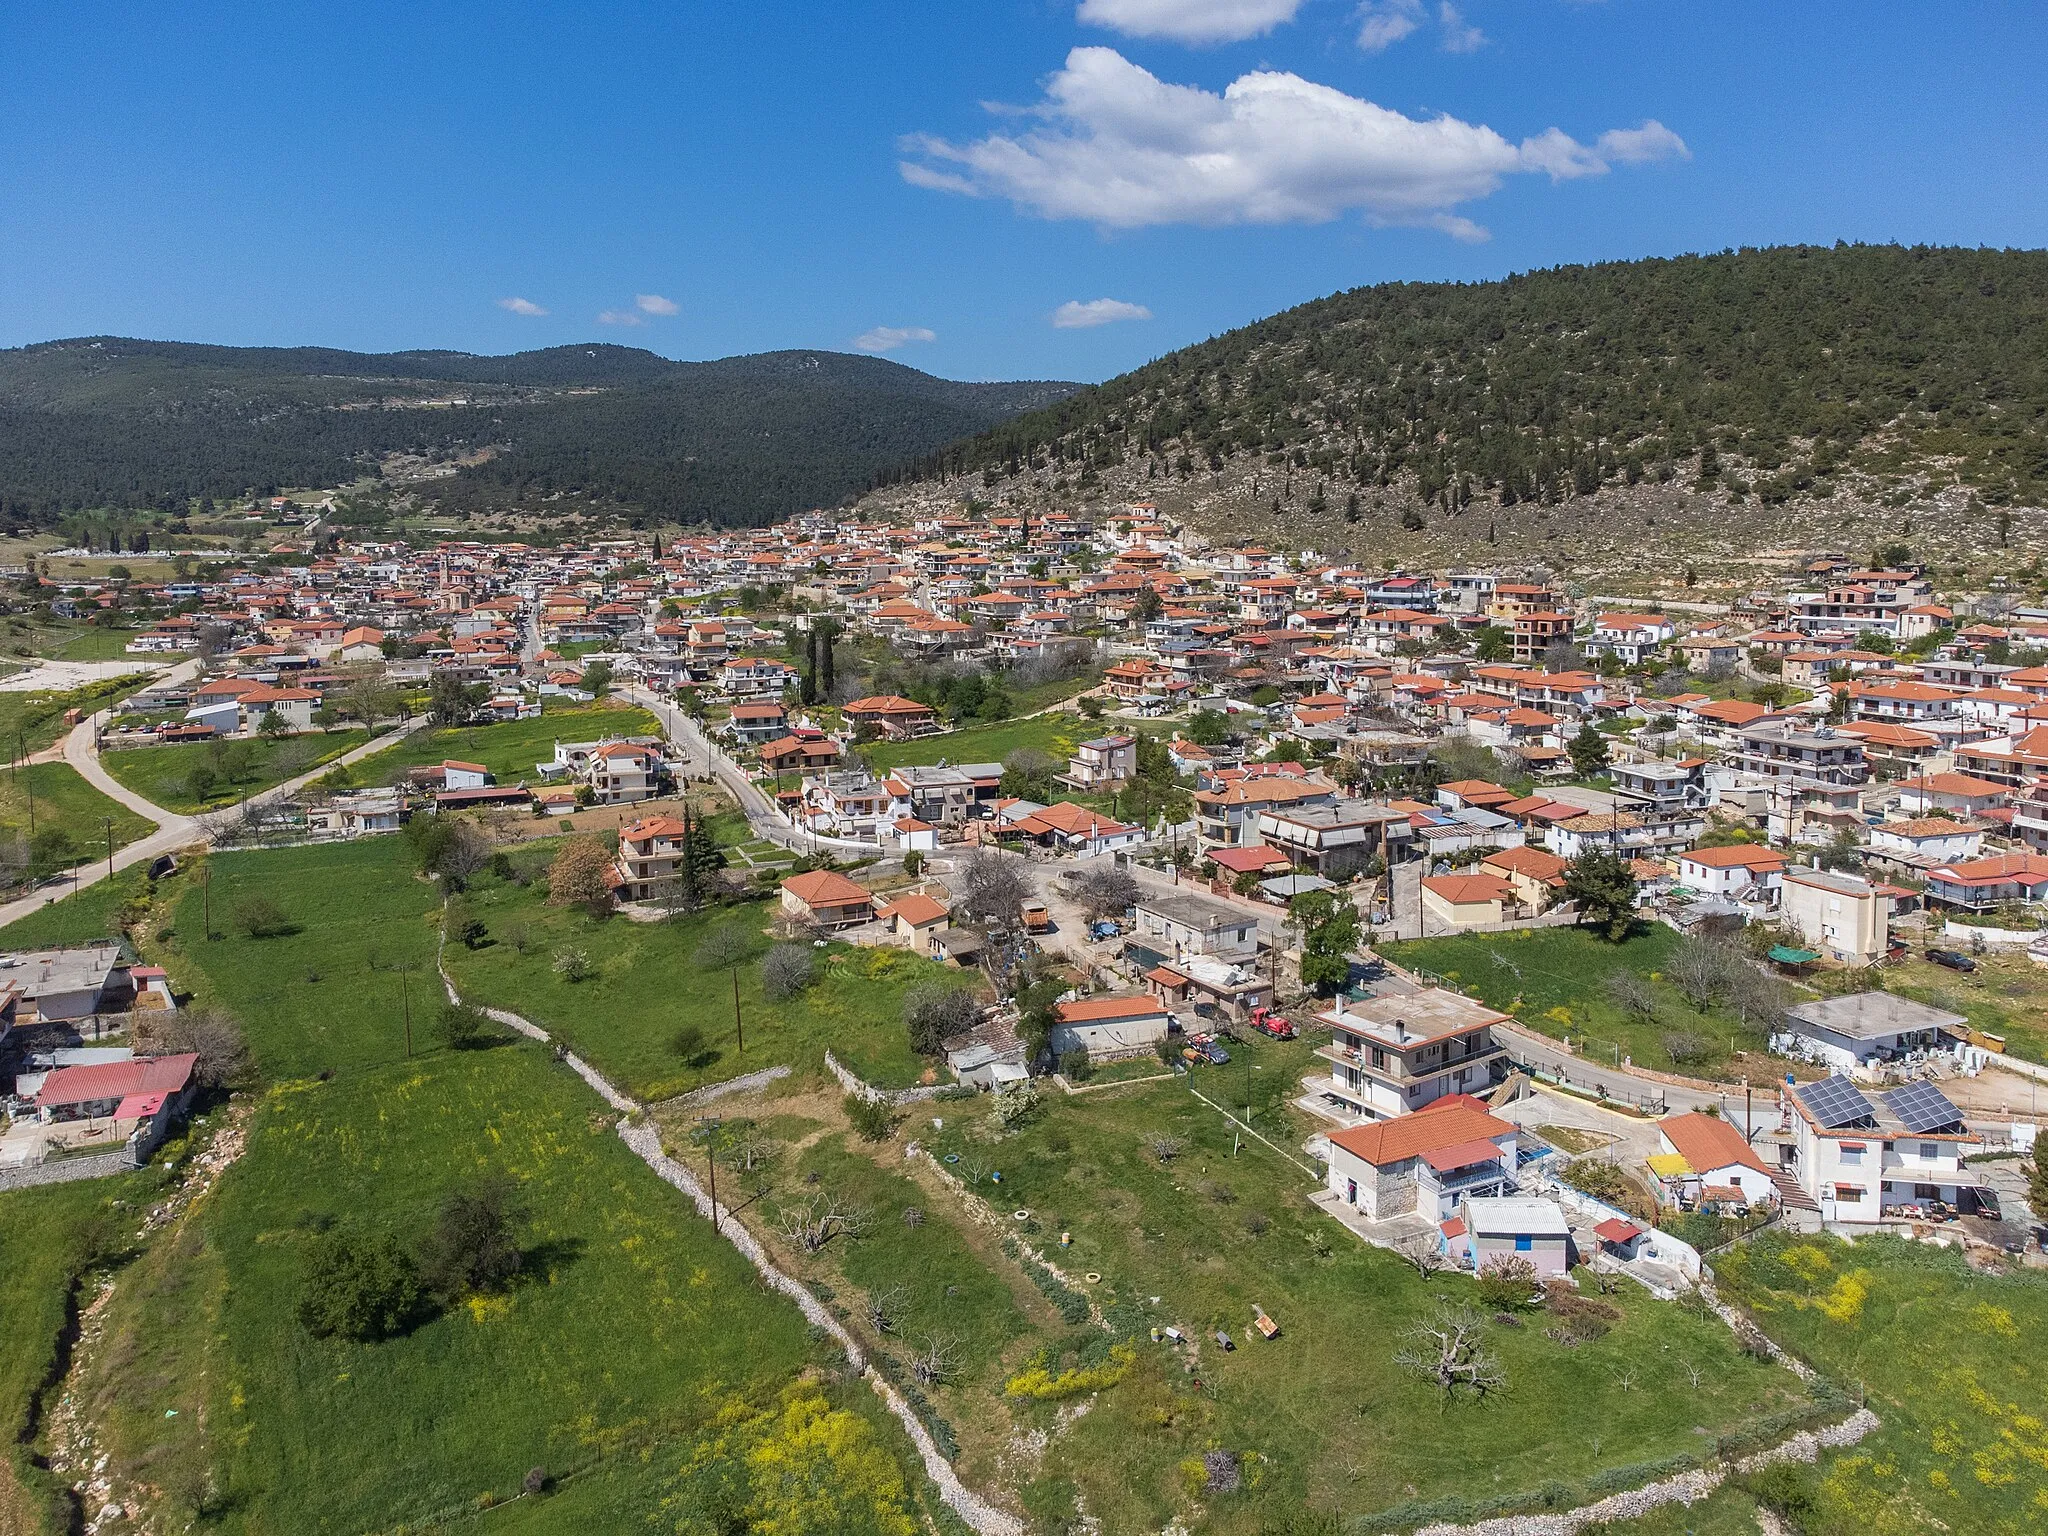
1570 942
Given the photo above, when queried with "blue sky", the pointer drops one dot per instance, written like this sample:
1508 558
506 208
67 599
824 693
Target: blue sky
942 179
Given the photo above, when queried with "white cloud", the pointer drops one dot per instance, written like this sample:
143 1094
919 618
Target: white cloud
887 338
655 304
521 306
1188 21
1383 23
618 317
1640 146
1075 316
1114 145
1459 36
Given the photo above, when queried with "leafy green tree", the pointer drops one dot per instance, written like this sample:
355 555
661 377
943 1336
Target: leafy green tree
1208 728
474 1244
1588 751
1329 932
357 1286
1490 643
1604 886
2037 1180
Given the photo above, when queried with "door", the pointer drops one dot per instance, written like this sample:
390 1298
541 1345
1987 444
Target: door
1351 1191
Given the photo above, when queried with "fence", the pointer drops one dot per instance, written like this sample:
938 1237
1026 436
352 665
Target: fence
65 1170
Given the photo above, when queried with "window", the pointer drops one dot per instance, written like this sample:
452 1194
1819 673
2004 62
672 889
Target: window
1848 1194
1929 1150
1525 1244
1852 1151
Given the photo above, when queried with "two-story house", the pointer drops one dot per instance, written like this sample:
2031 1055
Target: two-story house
1423 1164
1867 1158
1106 763
1391 1056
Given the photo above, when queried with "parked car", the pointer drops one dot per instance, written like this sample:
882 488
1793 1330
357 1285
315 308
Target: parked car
1267 1022
1954 959
1205 1048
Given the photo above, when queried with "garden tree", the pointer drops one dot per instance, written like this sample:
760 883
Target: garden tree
786 970
913 862
1843 853
1350 773
1458 757
1028 774
357 1286
1328 924
1490 642
1588 751
1208 728
1632 994
448 846
273 725
1147 606
474 1244
1507 1283
827 633
597 679
1604 886
212 1034
993 889
1106 892
451 701
581 874
932 1011
1038 1015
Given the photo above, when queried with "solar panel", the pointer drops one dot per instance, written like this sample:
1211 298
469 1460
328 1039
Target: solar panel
1835 1103
1924 1108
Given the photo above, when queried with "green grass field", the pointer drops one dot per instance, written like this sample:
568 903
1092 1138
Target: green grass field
1323 1418
1054 735
646 987
93 913
1946 1355
621 1359
30 722
509 750
92 642
48 1238
2006 995
1553 980
65 803
163 775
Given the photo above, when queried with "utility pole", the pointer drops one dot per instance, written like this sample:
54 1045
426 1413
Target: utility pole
206 898
405 998
710 1128
110 845
737 1027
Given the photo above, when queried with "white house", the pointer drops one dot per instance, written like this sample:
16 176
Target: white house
1744 871
1867 1158
1489 1229
1867 1029
1110 1028
1715 1156
1424 1163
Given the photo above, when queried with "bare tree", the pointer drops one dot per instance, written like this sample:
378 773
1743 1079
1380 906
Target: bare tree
1629 992
209 1033
750 1149
937 1360
787 970
1686 1047
815 1220
934 1011
1693 1373
1448 1348
1758 998
993 889
1702 971
1165 1148
1106 892
722 948
1425 1256
884 1309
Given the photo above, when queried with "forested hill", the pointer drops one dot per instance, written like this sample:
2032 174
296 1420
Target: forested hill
111 422
1765 373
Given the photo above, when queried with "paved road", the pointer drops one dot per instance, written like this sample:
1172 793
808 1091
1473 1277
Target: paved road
174 832
760 812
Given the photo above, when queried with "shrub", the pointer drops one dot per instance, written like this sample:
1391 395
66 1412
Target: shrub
573 965
1037 1381
261 918
1076 1066
474 1246
787 970
356 1287
871 1119
1507 1283
536 1481
463 1028
209 1033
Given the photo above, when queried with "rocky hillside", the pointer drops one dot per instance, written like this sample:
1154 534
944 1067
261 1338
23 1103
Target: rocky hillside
1639 417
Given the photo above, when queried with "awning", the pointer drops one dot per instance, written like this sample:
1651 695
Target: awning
1465 1154
1785 955
138 1106
1615 1230
1669 1165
